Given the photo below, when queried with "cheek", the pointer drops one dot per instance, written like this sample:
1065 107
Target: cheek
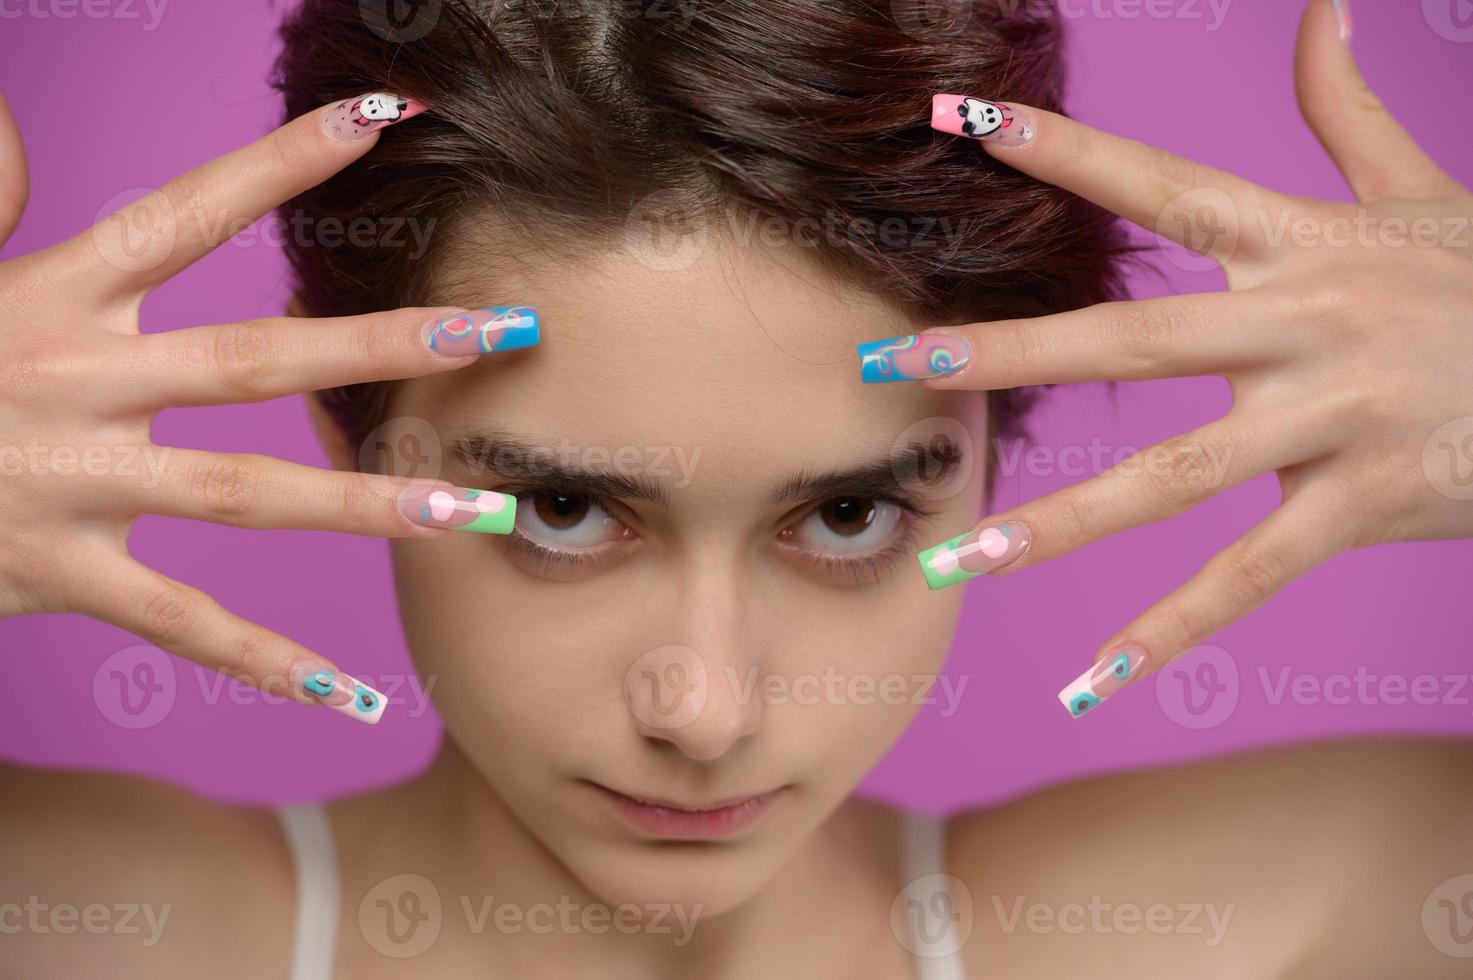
511 661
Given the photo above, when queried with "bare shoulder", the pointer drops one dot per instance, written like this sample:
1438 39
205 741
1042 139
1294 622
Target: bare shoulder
1281 862
107 874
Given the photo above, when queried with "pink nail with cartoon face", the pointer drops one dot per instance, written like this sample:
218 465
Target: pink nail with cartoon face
356 118
1003 123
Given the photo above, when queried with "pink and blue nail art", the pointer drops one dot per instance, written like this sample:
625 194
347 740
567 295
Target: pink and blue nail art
460 509
488 331
975 553
1102 680
346 695
913 358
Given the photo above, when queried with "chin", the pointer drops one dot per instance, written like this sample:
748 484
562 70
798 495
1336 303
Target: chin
704 879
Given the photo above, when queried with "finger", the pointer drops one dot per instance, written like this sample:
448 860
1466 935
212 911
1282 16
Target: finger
185 621
262 359
15 185
251 491
1377 157
140 246
1151 485
1199 207
1167 337
1289 542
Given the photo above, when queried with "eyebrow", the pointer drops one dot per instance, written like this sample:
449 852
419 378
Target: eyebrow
536 465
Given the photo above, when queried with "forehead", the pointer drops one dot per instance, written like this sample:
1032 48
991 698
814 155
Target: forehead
742 352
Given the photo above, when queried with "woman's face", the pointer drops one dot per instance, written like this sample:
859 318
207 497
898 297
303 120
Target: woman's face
712 592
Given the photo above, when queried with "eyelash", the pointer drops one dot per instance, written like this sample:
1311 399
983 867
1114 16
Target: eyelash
549 560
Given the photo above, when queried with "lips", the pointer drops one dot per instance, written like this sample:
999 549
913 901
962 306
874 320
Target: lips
679 820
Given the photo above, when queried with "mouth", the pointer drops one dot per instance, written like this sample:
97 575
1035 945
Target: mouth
680 820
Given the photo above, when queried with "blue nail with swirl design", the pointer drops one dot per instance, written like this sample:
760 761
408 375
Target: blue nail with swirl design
913 358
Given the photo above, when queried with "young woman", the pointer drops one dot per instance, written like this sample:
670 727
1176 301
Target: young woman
616 794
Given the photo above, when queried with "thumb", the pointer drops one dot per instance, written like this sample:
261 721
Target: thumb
1374 153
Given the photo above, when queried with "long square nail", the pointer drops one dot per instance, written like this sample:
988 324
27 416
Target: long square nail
912 358
975 553
460 509
353 119
488 331
996 122
346 695
1103 679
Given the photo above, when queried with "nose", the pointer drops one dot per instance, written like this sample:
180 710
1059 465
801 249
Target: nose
703 695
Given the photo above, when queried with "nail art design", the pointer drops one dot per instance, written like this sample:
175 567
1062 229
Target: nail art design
488 331
356 118
1103 680
482 511
346 695
912 358
996 122
975 553
1342 11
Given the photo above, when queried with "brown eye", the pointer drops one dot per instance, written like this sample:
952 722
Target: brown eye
848 516
848 526
559 512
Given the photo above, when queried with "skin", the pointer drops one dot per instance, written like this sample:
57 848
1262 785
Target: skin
1322 853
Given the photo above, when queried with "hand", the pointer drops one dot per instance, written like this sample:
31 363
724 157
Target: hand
80 386
1347 342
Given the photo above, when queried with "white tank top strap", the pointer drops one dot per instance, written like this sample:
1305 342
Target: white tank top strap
314 852
936 934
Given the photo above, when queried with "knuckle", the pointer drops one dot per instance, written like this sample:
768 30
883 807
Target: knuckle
245 358
1142 334
1069 518
1180 474
1180 626
243 659
227 486
34 367
168 615
1254 574
358 504
1169 175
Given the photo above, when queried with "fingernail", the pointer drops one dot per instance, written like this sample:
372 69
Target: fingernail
345 695
913 358
482 511
356 118
997 122
1342 11
1103 679
975 553
488 331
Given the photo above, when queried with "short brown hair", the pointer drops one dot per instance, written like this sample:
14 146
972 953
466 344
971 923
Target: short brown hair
557 116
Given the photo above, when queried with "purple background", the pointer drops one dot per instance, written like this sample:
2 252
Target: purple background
108 106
